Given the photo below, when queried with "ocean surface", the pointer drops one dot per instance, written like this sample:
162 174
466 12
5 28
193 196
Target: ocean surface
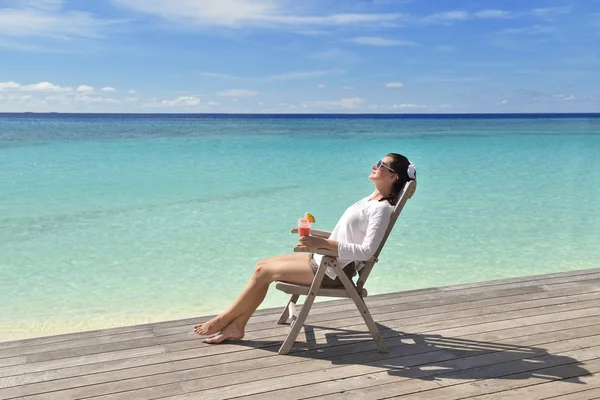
111 220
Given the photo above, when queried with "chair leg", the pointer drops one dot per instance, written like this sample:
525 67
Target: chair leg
297 324
362 308
286 311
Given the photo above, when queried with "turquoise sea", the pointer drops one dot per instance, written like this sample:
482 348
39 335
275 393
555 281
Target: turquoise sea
111 220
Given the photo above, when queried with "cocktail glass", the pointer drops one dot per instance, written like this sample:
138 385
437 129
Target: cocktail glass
303 227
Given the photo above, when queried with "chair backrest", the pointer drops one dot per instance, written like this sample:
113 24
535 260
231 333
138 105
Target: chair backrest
407 193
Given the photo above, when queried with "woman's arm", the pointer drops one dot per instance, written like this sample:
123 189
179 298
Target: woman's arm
378 221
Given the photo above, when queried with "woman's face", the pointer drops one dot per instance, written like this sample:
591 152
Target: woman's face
382 171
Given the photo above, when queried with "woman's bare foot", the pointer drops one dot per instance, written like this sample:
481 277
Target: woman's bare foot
231 331
210 327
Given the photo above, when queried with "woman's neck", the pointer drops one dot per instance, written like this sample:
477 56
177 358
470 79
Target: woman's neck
380 193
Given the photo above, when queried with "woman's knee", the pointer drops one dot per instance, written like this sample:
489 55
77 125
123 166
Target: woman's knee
261 271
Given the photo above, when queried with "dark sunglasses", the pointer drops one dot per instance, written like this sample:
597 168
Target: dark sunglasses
381 164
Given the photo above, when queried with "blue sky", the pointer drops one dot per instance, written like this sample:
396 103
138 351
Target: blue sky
300 56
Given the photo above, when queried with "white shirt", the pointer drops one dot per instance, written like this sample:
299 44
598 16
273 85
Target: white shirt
359 232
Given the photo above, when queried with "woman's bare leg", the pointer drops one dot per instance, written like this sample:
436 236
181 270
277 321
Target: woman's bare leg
292 268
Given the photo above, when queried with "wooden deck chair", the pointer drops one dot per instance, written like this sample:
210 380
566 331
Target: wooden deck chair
355 291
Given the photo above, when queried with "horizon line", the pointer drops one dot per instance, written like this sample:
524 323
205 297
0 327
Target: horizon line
295 114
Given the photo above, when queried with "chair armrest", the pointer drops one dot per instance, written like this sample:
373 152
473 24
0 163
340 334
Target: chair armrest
316 232
322 252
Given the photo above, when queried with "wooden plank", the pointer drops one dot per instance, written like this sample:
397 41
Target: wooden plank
209 366
305 384
87 341
224 370
147 387
93 349
473 389
143 383
10 361
77 361
531 278
538 386
67 337
216 349
424 383
586 393
261 372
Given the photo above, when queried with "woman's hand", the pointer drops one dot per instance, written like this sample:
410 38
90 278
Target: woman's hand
311 242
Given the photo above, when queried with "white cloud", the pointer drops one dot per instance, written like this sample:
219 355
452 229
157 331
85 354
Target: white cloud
16 97
96 99
9 85
238 93
320 86
447 16
351 102
403 106
44 87
213 103
394 85
381 42
108 89
182 101
550 12
291 75
563 97
240 13
72 99
85 88
345 103
48 19
348 88
218 75
46 5
302 75
409 106
443 78
132 91
528 30
333 54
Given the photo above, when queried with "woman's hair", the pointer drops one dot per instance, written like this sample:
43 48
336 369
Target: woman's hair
400 165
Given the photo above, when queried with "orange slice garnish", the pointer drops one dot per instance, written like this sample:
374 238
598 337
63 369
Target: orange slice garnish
310 217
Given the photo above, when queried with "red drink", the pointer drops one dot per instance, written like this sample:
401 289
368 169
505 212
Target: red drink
303 227
304 231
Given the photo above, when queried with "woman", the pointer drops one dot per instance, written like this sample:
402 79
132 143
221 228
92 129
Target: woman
356 237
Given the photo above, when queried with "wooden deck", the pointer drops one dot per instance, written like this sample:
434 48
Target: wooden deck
527 338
